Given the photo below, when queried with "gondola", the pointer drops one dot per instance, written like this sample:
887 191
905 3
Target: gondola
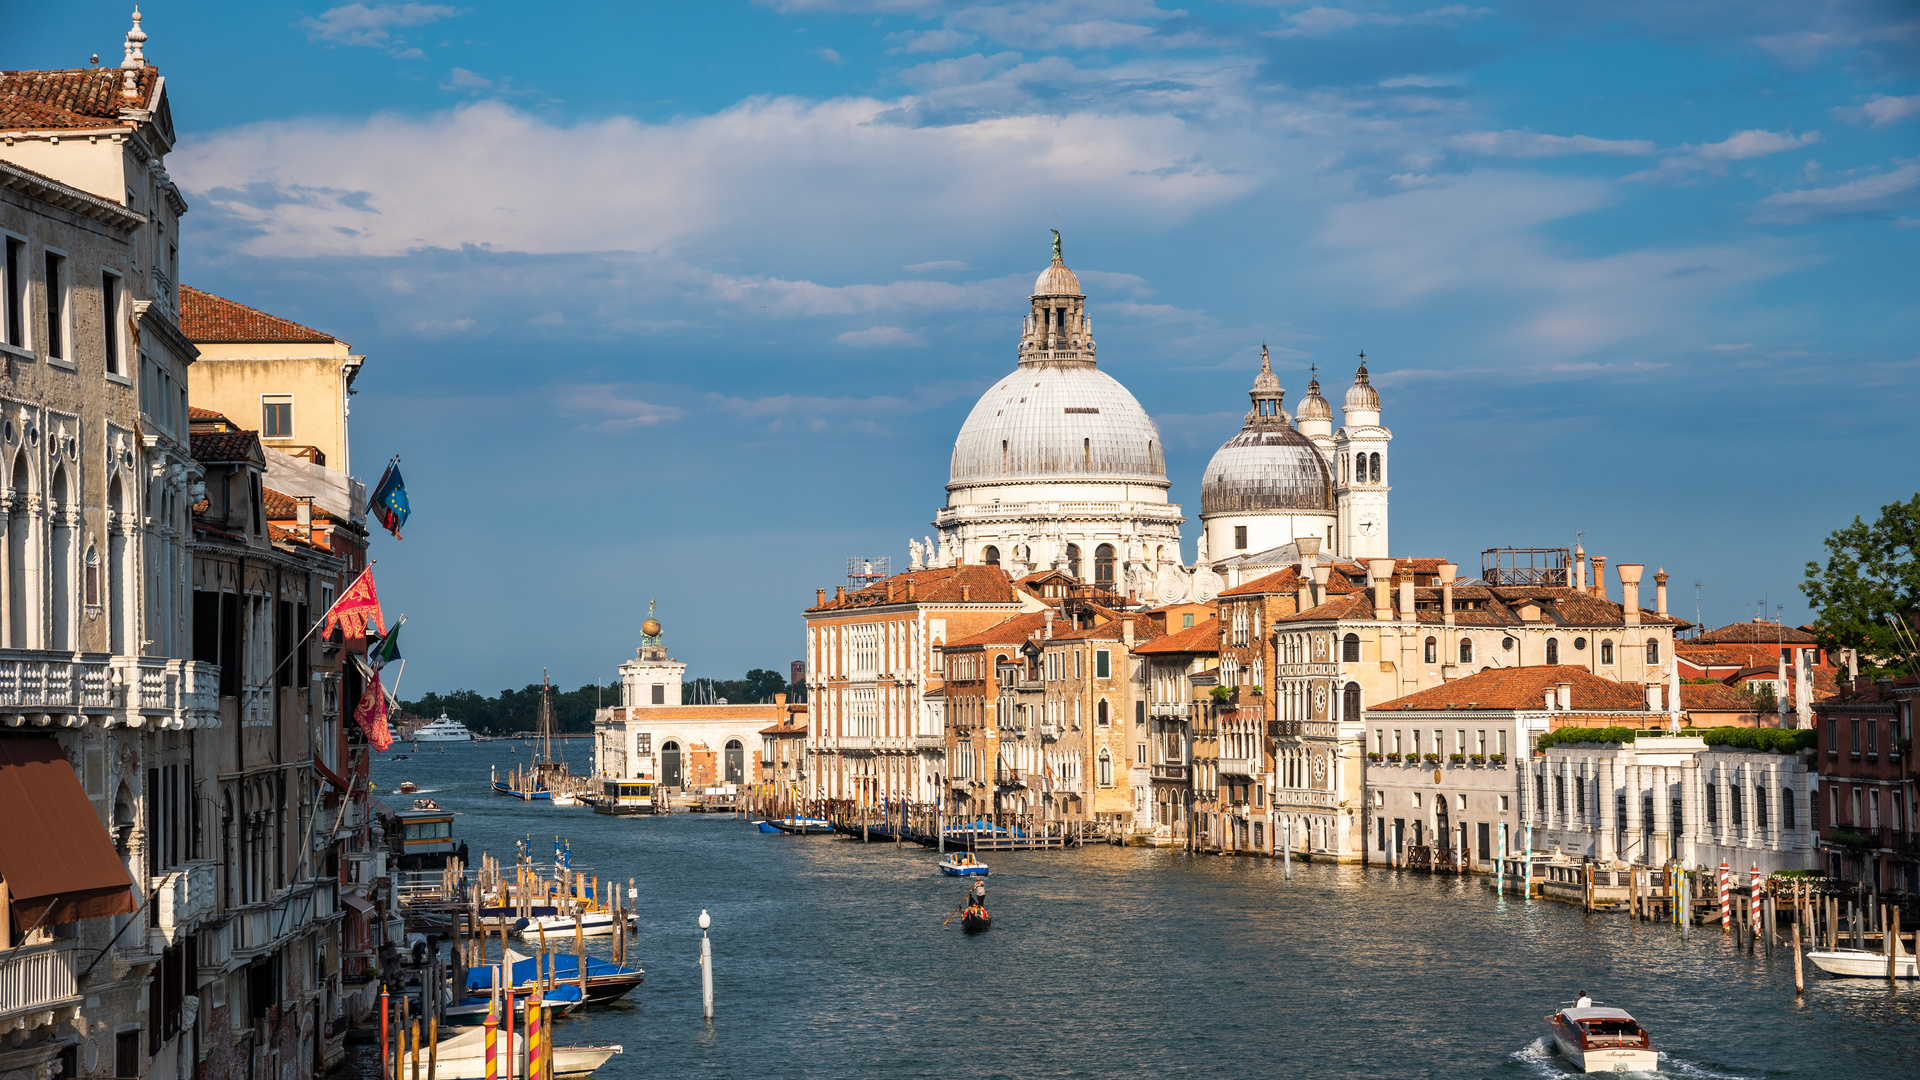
975 920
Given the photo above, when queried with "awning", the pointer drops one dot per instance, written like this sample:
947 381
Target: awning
321 768
54 852
356 903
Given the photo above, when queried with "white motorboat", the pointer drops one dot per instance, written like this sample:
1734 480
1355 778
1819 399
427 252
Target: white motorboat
597 923
442 730
1864 963
1601 1040
464 1056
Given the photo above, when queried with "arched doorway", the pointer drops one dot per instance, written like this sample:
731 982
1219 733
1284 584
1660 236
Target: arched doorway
736 762
670 764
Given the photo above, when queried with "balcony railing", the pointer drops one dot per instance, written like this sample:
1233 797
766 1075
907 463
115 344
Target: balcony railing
67 689
37 985
216 948
183 897
1240 766
1305 797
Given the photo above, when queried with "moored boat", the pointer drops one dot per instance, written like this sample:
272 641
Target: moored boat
1863 963
1595 1039
606 980
594 922
558 1001
444 729
963 864
464 1056
797 825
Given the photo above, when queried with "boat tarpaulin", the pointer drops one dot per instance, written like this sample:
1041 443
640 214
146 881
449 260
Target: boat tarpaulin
55 855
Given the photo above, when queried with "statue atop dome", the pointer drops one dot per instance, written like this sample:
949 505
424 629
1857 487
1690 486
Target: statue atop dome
1057 260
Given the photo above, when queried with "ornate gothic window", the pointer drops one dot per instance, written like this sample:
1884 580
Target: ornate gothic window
1350 708
1359 468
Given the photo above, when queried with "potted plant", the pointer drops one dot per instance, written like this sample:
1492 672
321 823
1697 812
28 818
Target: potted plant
1433 759
1375 756
1478 759
1221 693
1456 759
1497 759
1257 692
1395 756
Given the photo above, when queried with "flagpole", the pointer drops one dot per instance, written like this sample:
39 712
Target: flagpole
323 620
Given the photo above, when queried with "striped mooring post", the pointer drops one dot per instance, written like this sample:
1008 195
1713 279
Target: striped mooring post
536 1034
1756 903
493 1035
1726 898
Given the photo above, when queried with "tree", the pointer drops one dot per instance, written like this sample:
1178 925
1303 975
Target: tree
1871 573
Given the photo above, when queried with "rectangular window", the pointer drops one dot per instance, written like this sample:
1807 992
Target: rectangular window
276 416
1503 740
1560 797
1380 834
1856 736
1102 664
1759 807
56 307
1503 804
1713 804
1186 621
1873 809
1873 741
1240 537
111 317
1480 742
1076 663
14 288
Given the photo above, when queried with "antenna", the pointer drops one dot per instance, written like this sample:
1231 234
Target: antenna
1696 605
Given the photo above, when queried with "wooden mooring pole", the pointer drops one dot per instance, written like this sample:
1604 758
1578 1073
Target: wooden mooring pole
1799 976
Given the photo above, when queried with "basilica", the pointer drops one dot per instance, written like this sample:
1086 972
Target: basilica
1058 467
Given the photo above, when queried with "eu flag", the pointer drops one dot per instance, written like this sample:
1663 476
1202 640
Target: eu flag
389 502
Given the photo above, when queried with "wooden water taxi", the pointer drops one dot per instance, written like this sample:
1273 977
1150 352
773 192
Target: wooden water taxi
1595 1039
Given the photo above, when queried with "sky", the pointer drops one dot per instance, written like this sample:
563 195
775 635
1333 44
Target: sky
687 302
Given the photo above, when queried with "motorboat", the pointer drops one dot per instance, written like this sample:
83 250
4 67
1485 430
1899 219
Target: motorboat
1864 963
624 796
963 864
558 1001
974 919
795 825
594 922
464 1056
444 729
1598 1040
407 787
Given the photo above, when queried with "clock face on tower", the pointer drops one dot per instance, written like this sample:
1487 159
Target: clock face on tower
1369 526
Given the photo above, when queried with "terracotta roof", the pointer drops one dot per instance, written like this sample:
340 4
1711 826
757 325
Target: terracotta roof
69 98
1111 630
1714 697
1282 581
210 318
1011 632
986 585
1204 638
195 412
227 446
785 727
1874 692
1525 688
1500 606
1758 632
283 507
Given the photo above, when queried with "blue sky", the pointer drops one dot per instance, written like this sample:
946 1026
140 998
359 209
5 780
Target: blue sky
688 301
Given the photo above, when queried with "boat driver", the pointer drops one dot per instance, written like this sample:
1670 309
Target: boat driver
1583 1002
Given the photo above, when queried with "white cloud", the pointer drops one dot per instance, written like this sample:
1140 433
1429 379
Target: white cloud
1897 189
1880 110
1754 143
799 412
616 404
935 266
1527 144
877 337
915 41
462 79
483 174
831 56
372 25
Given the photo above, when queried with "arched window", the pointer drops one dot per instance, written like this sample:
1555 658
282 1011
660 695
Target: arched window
736 762
1359 468
1433 651
1373 470
119 573
1103 564
1106 768
1553 650
1350 649
1073 559
1606 651
19 546
1100 712
990 555
670 764
1653 652
1466 650
62 555
1350 708
1086 453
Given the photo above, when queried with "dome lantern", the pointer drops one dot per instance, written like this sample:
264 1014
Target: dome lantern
1057 331
1362 405
1315 417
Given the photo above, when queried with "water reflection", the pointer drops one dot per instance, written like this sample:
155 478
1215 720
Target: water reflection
831 961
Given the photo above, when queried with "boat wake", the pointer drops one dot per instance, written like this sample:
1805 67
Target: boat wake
1538 1057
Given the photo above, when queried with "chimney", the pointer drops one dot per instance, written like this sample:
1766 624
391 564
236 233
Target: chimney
1853 663
1047 633
1322 573
1309 558
1653 697
779 699
1381 570
303 516
1600 576
1447 570
1546 697
966 594
819 598
1126 632
1579 568
1406 599
1563 696
1660 592
1630 590
839 594
909 590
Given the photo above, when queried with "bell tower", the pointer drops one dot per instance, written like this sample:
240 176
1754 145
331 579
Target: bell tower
1361 480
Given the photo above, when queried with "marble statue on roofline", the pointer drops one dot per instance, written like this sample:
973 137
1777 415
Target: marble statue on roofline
915 554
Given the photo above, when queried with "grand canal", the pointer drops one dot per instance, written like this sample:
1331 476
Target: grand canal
831 961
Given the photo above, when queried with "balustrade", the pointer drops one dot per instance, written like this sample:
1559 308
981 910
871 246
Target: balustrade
184 896
37 986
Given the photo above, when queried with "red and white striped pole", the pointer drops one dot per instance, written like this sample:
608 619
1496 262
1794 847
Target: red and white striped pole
1756 902
1726 898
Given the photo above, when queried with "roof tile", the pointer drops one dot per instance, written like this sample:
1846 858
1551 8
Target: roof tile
205 317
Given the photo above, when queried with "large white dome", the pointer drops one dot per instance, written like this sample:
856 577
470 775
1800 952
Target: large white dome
1064 422
1266 469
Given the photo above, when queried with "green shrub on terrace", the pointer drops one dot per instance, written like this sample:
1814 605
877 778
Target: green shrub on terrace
1613 736
1778 740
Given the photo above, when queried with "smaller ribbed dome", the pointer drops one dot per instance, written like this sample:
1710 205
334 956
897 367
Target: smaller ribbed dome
1056 280
1361 396
1313 406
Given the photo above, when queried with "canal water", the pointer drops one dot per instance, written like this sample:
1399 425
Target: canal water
831 960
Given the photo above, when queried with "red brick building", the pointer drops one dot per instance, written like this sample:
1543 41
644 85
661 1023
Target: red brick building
1867 779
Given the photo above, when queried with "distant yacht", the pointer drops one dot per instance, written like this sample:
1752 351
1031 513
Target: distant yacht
442 730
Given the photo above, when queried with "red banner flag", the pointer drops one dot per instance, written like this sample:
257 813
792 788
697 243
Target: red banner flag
357 607
371 714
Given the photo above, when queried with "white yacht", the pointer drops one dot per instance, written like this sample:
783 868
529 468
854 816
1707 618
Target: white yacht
442 730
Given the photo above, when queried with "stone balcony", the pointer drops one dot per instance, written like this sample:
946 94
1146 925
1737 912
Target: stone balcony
260 928
1240 766
58 689
37 987
1170 771
1304 799
183 898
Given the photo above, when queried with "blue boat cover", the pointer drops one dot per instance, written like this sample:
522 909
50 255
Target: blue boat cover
564 992
564 968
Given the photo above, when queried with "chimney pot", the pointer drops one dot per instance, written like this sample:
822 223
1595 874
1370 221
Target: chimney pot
1579 568
1381 570
819 597
1563 696
1630 590
779 699
839 594
1546 698
1447 572
966 594
1660 592
909 590
1600 575
1406 599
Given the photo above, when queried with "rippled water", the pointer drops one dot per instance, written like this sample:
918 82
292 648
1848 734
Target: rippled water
831 961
